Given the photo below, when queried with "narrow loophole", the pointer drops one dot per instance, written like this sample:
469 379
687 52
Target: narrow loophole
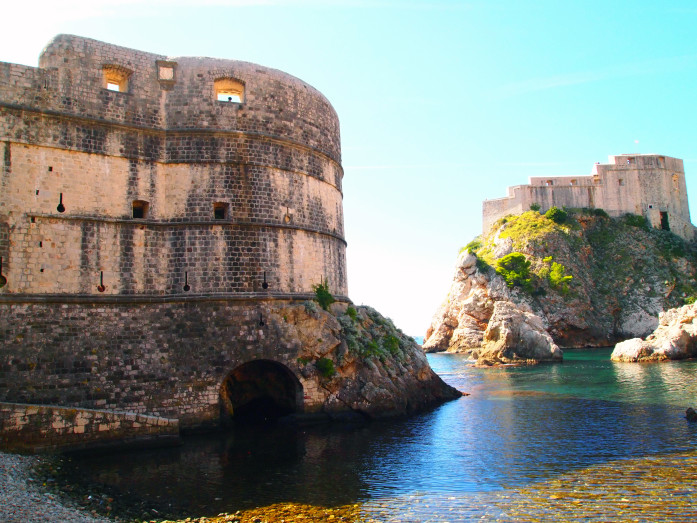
261 320
101 287
61 207
187 287
265 285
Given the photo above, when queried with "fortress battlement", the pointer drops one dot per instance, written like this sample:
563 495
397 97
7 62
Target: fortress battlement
649 185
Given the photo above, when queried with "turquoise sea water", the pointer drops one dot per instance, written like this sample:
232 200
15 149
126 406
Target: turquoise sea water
520 428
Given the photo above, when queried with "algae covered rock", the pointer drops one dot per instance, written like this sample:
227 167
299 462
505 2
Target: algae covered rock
356 362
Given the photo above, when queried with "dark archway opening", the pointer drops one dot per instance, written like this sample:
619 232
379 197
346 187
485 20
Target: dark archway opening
664 221
260 391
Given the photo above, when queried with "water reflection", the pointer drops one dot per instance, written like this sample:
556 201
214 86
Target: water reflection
520 426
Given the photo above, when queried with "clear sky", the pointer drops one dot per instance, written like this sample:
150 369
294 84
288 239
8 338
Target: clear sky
442 103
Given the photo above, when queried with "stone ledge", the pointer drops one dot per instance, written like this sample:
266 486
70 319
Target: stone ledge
29 427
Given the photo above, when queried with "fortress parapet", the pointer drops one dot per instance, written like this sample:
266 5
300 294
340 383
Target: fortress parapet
645 184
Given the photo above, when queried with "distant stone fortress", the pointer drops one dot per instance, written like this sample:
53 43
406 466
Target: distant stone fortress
649 185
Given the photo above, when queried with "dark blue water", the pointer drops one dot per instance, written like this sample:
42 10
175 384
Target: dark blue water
520 427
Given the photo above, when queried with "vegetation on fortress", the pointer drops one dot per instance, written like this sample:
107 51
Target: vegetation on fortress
592 268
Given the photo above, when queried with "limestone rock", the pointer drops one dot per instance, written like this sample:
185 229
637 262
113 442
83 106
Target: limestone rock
378 371
514 335
675 338
611 298
460 322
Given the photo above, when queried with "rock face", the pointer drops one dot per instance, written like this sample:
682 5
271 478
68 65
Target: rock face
479 319
675 338
376 371
611 297
516 335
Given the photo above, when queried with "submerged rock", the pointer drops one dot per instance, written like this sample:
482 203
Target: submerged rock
675 338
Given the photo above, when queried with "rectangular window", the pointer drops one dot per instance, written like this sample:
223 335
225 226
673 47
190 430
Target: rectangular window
140 209
220 210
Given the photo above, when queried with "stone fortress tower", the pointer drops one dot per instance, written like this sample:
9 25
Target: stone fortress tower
162 224
128 173
649 185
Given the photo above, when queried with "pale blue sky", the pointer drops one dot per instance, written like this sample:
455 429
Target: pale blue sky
442 104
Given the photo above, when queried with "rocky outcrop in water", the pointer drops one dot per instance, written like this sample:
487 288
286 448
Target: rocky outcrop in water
479 319
362 364
622 276
675 338
516 335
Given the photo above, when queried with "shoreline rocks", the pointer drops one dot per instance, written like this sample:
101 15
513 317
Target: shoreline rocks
675 338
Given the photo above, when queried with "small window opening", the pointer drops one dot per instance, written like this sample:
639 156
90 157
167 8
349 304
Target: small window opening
140 209
549 182
621 181
37 192
229 90
50 168
116 78
220 210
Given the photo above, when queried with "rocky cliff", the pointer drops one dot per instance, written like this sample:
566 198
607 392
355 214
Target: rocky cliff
589 279
362 364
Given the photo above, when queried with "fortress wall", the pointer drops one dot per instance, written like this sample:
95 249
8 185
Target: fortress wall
273 159
57 255
166 359
647 185
275 104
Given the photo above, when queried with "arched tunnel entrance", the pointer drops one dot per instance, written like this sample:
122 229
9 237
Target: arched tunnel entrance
260 391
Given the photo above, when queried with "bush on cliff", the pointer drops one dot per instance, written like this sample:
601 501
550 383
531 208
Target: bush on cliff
322 295
556 214
514 268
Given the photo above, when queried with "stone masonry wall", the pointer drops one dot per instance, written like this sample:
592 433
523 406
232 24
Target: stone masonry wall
270 162
160 357
42 427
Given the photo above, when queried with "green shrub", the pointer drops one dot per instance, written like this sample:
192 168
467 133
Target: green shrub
474 245
482 265
556 214
558 277
514 268
322 295
601 213
351 313
535 207
636 220
392 344
325 367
